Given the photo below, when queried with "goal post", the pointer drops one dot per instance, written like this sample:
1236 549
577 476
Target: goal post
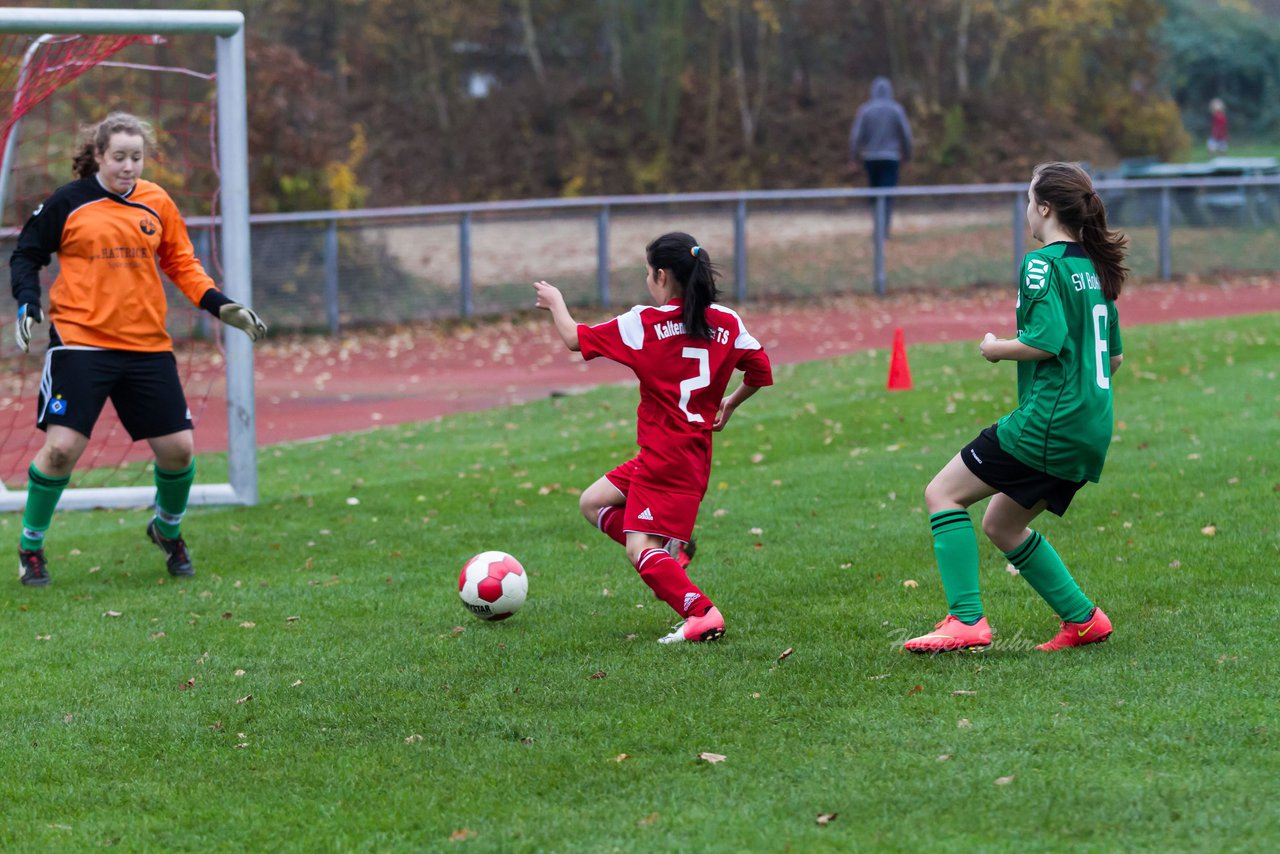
227 29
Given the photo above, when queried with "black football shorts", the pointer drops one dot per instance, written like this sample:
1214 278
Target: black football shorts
144 388
1002 471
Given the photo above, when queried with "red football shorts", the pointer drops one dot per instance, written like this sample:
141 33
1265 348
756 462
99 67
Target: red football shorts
653 509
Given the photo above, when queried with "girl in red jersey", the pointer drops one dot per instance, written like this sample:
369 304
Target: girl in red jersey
683 350
107 340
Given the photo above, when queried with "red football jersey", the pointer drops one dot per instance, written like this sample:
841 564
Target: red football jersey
682 381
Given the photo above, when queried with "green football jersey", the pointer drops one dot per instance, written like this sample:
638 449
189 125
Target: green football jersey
1062 425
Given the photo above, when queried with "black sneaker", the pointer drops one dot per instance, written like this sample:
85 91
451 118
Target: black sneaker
684 556
32 567
175 552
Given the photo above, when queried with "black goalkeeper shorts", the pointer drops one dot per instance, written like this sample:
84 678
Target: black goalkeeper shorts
144 388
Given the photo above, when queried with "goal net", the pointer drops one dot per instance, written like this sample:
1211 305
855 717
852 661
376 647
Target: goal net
184 73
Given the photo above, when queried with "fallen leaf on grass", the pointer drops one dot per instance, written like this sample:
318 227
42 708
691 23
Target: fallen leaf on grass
248 624
785 653
1175 564
292 619
462 835
190 683
412 739
238 672
945 756
964 693
1011 569
296 683
44 637
599 674
911 582
713 758
1004 781
964 723
622 757
1209 530
112 614
246 698
648 820
915 689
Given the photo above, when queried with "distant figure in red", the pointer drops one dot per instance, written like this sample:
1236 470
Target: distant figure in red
1217 126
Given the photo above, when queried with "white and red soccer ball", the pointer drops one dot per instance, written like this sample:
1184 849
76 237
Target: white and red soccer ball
493 585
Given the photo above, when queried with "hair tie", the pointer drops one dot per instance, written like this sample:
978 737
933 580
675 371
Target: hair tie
694 250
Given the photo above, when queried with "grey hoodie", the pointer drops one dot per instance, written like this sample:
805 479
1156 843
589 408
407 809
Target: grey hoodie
880 129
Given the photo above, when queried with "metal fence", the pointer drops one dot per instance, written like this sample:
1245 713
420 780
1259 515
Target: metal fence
326 270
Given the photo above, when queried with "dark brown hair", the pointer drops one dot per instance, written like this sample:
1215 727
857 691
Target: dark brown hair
94 140
1068 190
681 255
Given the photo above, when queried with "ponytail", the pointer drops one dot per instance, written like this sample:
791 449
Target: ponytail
682 257
1067 189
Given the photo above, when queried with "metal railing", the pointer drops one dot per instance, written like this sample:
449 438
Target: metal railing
310 265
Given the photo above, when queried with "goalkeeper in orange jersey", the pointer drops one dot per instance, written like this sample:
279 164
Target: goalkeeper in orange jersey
112 232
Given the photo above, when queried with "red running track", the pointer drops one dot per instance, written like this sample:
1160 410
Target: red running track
312 387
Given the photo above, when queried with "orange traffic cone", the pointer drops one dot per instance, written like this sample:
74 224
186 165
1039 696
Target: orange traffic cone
899 370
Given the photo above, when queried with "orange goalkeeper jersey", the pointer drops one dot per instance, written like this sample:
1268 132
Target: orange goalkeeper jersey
108 292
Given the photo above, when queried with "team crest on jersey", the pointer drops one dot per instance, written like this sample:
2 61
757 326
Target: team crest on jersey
148 225
58 406
1037 273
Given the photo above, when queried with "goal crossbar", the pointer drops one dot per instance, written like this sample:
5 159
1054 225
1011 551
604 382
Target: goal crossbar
227 27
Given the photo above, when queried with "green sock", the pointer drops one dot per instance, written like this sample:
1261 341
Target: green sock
955 545
1040 565
172 490
43 493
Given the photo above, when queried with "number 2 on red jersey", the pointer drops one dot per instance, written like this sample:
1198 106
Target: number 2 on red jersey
701 380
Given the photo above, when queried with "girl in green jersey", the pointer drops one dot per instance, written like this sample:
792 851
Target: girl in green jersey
1036 457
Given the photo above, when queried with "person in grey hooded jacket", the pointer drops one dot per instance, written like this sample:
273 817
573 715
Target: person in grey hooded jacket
880 139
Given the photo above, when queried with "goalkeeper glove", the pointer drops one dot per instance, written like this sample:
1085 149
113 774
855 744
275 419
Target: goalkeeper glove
243 318
29 314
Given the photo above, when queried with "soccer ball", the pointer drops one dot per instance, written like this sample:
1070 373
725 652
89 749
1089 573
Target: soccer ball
493 585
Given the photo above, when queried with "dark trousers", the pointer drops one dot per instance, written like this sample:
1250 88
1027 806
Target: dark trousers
883 173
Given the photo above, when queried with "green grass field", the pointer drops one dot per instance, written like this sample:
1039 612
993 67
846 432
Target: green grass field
319 687
1240 147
